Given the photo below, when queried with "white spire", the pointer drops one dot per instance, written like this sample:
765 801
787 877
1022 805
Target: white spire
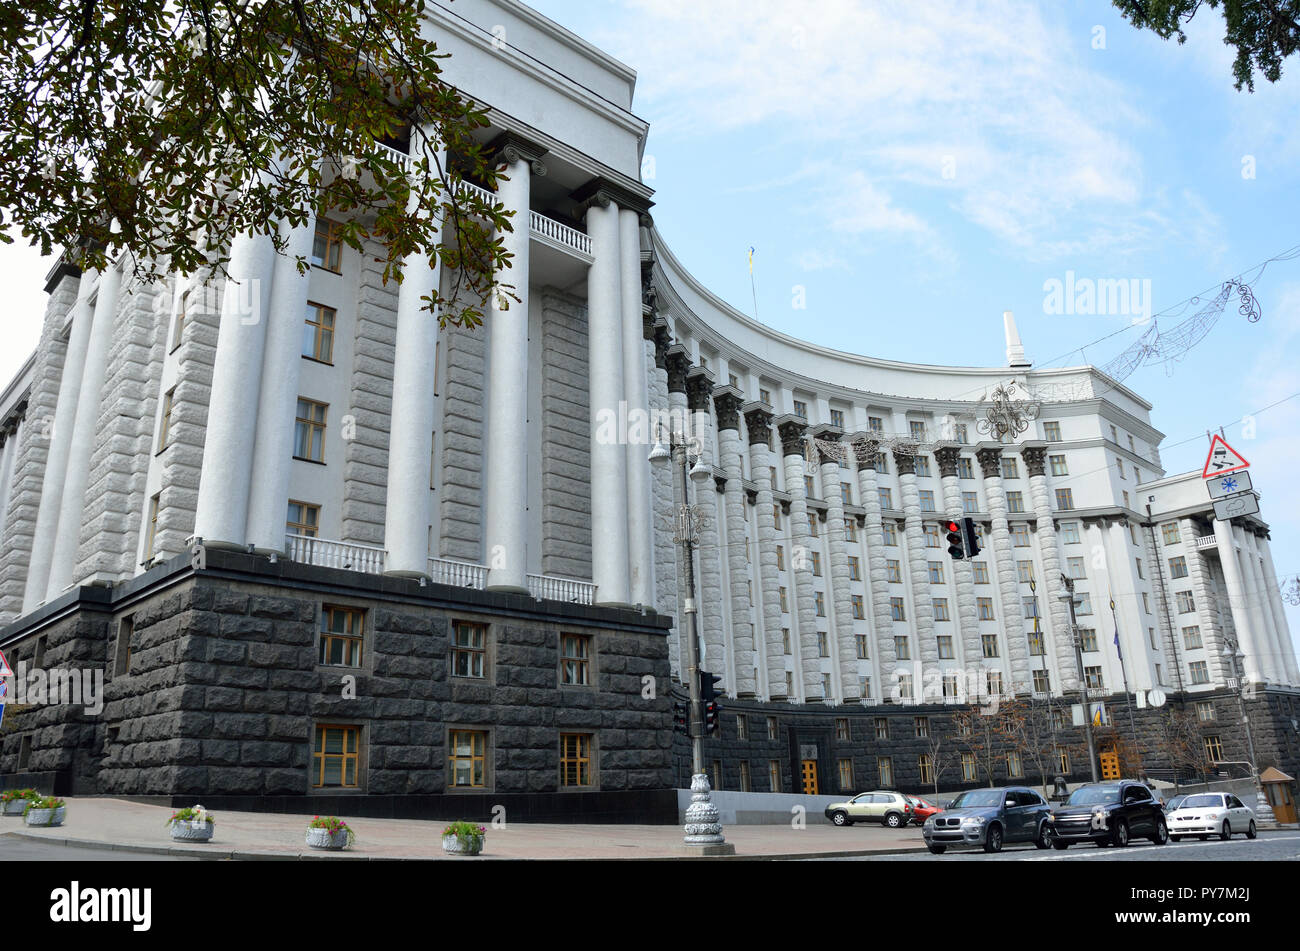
1015 352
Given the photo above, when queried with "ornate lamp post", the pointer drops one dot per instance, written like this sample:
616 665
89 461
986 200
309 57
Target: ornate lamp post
1068 596
703 830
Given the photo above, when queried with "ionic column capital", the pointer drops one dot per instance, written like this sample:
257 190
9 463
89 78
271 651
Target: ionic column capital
510 147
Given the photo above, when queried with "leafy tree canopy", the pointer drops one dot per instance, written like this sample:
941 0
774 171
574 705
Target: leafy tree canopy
1264 32
168 127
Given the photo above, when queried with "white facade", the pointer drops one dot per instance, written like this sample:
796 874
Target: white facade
514 456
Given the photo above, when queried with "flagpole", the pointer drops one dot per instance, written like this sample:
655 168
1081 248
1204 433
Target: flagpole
753 290
1123 671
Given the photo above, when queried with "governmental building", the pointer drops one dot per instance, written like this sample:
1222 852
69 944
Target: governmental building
336 551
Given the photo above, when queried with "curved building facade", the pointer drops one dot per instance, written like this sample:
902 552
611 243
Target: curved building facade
232 495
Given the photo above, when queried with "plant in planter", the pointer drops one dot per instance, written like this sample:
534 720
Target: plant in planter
14 801
45 811
329 832
192 824
463 838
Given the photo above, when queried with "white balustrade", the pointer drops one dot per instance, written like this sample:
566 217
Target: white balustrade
1207 541
459 574
327 553
570 590
560 233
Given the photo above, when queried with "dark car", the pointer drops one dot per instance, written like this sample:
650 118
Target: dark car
988 818
1109 814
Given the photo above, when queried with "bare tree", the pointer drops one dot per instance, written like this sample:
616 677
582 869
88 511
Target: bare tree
939 747
1026 727
978 733
1180 741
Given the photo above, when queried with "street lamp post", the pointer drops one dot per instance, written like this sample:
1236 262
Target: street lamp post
1263 810
1068 597
703 831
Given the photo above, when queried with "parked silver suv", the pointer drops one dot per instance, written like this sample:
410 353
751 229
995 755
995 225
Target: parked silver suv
988 818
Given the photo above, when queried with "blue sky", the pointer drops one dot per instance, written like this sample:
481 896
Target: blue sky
919 168
1071 142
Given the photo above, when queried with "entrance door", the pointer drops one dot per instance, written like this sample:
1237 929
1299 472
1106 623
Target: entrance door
808 773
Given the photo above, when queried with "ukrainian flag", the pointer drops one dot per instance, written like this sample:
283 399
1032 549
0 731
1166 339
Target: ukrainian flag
751 260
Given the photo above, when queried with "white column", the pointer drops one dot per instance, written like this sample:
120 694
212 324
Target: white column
1002 566
411 422
1232 576
758 423
67 536
1054 610
805 613
60 436
1289 663
885 656
738 572
1257 595
277 409
609 528
839 591
221 515
7 474
640 544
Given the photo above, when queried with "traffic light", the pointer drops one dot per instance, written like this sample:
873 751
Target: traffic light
953 532
972 539
709 700
681 718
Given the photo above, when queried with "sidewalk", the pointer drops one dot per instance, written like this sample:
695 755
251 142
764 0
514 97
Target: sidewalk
130 826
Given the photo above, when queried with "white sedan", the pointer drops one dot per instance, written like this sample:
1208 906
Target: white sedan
1207 814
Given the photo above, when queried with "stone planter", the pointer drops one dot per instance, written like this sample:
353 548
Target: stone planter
330 841
469 845
15 807
46 817
186 831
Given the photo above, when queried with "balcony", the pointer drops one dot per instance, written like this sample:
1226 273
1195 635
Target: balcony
325 553
552 588
1207 541
458 574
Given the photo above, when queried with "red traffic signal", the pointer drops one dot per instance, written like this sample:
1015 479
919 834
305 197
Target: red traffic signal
956 544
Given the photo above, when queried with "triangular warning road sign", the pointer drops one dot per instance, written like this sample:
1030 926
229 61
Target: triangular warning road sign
5 669
1222 459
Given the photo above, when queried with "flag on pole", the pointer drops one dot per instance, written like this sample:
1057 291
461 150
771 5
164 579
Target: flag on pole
751 260
1096 717
1117 648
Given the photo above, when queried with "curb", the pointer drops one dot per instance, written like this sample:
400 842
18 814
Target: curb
243 855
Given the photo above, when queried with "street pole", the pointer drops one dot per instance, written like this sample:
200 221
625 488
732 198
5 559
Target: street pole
1083 686
1123 672
703 831
1263 809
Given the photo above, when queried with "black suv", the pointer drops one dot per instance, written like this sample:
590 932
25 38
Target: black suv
1109 814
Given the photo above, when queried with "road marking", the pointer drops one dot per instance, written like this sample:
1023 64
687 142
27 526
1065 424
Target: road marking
1102 853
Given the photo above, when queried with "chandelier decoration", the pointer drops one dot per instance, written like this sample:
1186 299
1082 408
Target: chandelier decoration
1007 416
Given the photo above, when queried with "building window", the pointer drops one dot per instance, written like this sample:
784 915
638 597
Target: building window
469 650
122 653
784 599
789 682
575 759
467 759
1087 639
785 640
1084 604
1138 563
1151 636
990 644
1214 747
841 728
902 648
327 248
964 468
993 682
303 519
917 429
1015 502
823 647
1058 465
1192 638
981 570
780 558
826 687
575 660
886 497
1042 682
885 768
151 539
889 533
864 687
844 767
882 463
969 773
985 608
1119 466
318 333
801 409
932 536
893 571
925 766
1146 603
1092 677
776 514
1063 761
774 775
855 570
1177 567
1127 504
771 728
1010 468
745 784
837 418
335 756
945 646
164 429
1200 672
1065 499
850 530
816 564
178 327
342 633
896 610
812 524
936 572
820 601
1020 536
1015 768
1070 533
1205 711
846 493
859 609
970 502
941 609
1030 603
309 431
1170 532
742 727
1074 567
1052 432
1025 571
950 686
882 728
808 486
1186 603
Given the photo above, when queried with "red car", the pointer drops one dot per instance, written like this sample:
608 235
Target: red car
922 809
